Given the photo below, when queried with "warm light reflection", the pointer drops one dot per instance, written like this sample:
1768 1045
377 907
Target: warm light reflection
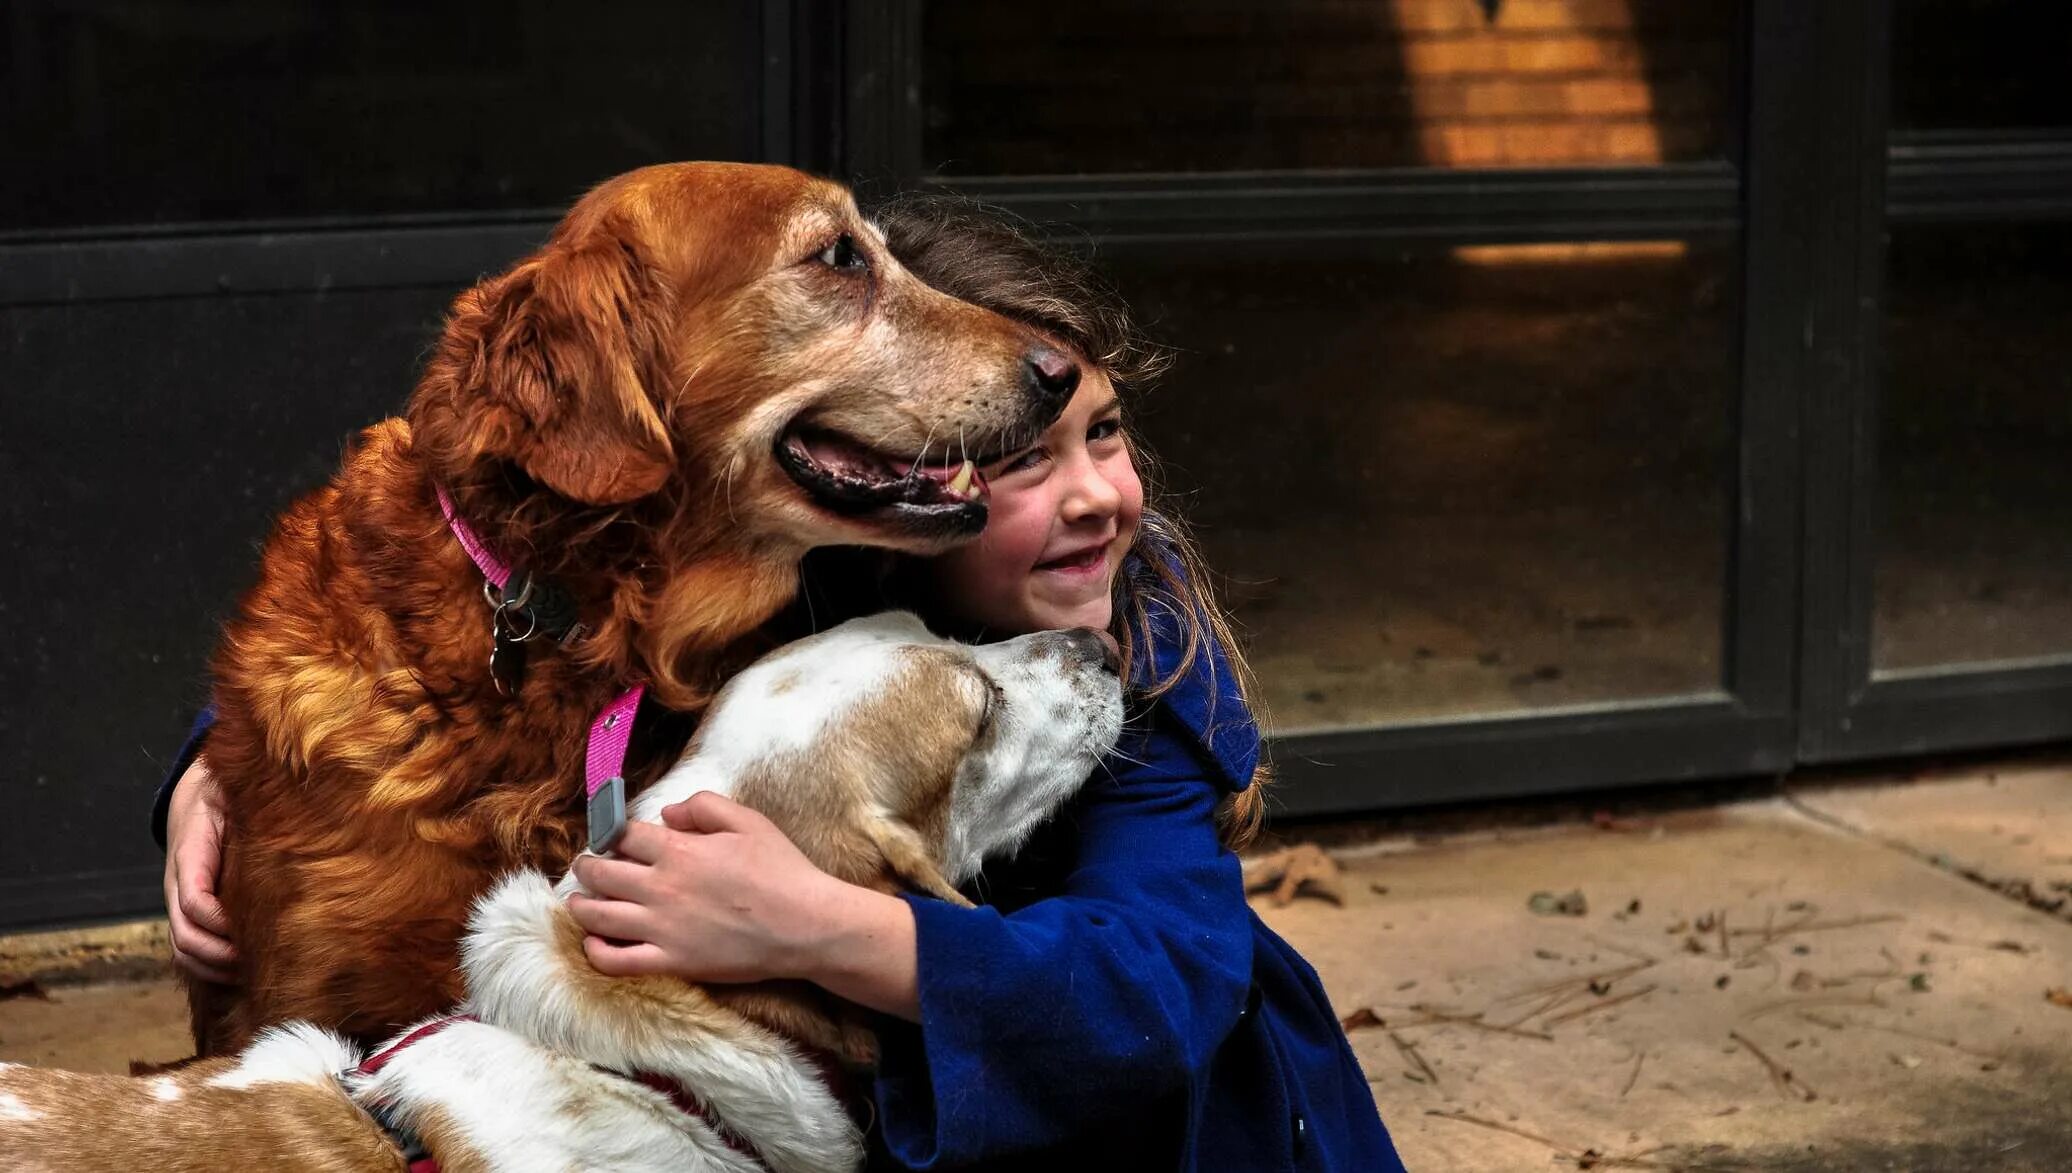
1570 252
1545 81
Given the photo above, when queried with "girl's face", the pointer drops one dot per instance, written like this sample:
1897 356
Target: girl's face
1061 517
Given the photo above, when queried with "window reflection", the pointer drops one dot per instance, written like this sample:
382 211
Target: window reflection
1160 85
1445 487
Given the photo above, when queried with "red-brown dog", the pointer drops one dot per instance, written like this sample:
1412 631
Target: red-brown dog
708 370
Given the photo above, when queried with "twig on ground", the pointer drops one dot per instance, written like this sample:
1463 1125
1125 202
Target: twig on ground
1434 1017
1787 1084
1615 947
1816 926
1408 1050
1584 1158
1602 1004
1801 1004
1633 1076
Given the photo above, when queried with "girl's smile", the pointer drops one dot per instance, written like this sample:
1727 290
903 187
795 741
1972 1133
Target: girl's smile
1061 518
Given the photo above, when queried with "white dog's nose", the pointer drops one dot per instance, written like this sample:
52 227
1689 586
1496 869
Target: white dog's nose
1098 647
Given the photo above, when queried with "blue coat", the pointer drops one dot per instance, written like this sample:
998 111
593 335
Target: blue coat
1115 1003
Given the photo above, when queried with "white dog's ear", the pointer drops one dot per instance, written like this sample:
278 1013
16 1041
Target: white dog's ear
911 861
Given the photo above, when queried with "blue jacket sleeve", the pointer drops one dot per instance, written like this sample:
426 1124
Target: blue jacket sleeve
163 800
1069 1013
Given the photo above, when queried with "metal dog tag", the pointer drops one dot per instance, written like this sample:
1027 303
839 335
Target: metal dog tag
607 815
506 661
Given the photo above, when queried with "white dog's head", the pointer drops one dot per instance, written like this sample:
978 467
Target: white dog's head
892 756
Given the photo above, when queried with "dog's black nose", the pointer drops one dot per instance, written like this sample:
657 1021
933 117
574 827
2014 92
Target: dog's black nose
1050 373
1098 647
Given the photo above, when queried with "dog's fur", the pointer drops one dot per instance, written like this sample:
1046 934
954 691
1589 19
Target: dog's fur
892 758
609 413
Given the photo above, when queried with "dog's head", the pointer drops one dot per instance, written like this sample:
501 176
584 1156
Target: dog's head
731 346
899 759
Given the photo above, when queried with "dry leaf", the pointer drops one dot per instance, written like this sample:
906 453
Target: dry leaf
1361 1019
2058 996
27 989
1301 870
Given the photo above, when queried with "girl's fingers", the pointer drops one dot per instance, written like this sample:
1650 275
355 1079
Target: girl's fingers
198 953
616 919
209 950
710 812
624 960
642 842
615 879
197 891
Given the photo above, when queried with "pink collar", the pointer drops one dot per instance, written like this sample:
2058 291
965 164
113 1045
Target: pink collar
604 757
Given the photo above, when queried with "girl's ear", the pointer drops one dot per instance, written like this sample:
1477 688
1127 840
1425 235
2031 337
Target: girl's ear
543 367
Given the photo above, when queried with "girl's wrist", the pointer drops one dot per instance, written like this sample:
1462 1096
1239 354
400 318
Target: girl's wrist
864 950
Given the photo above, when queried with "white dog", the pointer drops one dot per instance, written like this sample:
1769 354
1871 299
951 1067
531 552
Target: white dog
893 758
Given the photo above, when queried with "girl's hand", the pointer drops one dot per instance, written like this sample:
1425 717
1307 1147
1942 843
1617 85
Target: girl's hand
715 894
719 894
193 857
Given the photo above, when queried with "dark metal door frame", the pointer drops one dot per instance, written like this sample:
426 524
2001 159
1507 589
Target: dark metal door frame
1868 180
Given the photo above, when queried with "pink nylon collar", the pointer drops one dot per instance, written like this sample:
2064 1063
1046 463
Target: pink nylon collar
604 757
493 568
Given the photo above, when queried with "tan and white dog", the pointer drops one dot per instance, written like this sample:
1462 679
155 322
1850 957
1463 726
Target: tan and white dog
893 758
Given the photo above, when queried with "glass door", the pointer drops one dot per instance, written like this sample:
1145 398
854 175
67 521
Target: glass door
1461 294
1950 624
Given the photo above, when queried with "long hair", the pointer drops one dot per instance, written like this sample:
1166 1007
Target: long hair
989 258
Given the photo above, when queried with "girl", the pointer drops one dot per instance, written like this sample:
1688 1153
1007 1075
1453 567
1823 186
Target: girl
1113 1001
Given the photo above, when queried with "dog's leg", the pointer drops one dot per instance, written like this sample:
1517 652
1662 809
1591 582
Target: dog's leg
526 972
279 1105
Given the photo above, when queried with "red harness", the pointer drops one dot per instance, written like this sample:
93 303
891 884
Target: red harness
420 1160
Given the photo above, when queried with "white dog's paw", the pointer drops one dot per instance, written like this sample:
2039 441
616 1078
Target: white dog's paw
515 954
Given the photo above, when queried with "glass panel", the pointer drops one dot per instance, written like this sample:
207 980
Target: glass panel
1980 64
1974 559
162 111
1233 85
145 448
1455 482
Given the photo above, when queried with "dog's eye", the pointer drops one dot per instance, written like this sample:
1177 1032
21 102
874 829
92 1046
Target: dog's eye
842 254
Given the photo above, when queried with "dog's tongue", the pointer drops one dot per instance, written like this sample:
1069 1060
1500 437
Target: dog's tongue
842 458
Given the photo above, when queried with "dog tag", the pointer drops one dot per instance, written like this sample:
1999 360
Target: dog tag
607 814
506 662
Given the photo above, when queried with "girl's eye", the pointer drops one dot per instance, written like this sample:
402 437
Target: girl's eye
1105 429
1029 459
842 254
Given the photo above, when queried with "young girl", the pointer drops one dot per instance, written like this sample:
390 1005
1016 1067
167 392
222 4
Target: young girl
1113 1002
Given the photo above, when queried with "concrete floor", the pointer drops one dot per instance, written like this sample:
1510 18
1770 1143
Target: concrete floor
1888 944
1832 932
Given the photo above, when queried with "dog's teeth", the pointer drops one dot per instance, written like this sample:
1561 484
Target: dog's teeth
961 483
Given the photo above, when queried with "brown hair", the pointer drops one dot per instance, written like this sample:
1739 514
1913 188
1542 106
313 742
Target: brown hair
990 258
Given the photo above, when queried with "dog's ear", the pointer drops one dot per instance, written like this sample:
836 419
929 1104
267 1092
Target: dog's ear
911 861
550 360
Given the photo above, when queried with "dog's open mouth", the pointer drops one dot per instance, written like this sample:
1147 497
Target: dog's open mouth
846 476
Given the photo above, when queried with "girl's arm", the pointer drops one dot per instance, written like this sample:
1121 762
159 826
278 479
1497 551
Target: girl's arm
1034 1025
719 894
1082 1011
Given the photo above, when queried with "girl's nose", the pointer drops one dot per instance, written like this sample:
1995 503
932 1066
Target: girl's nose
1091 495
